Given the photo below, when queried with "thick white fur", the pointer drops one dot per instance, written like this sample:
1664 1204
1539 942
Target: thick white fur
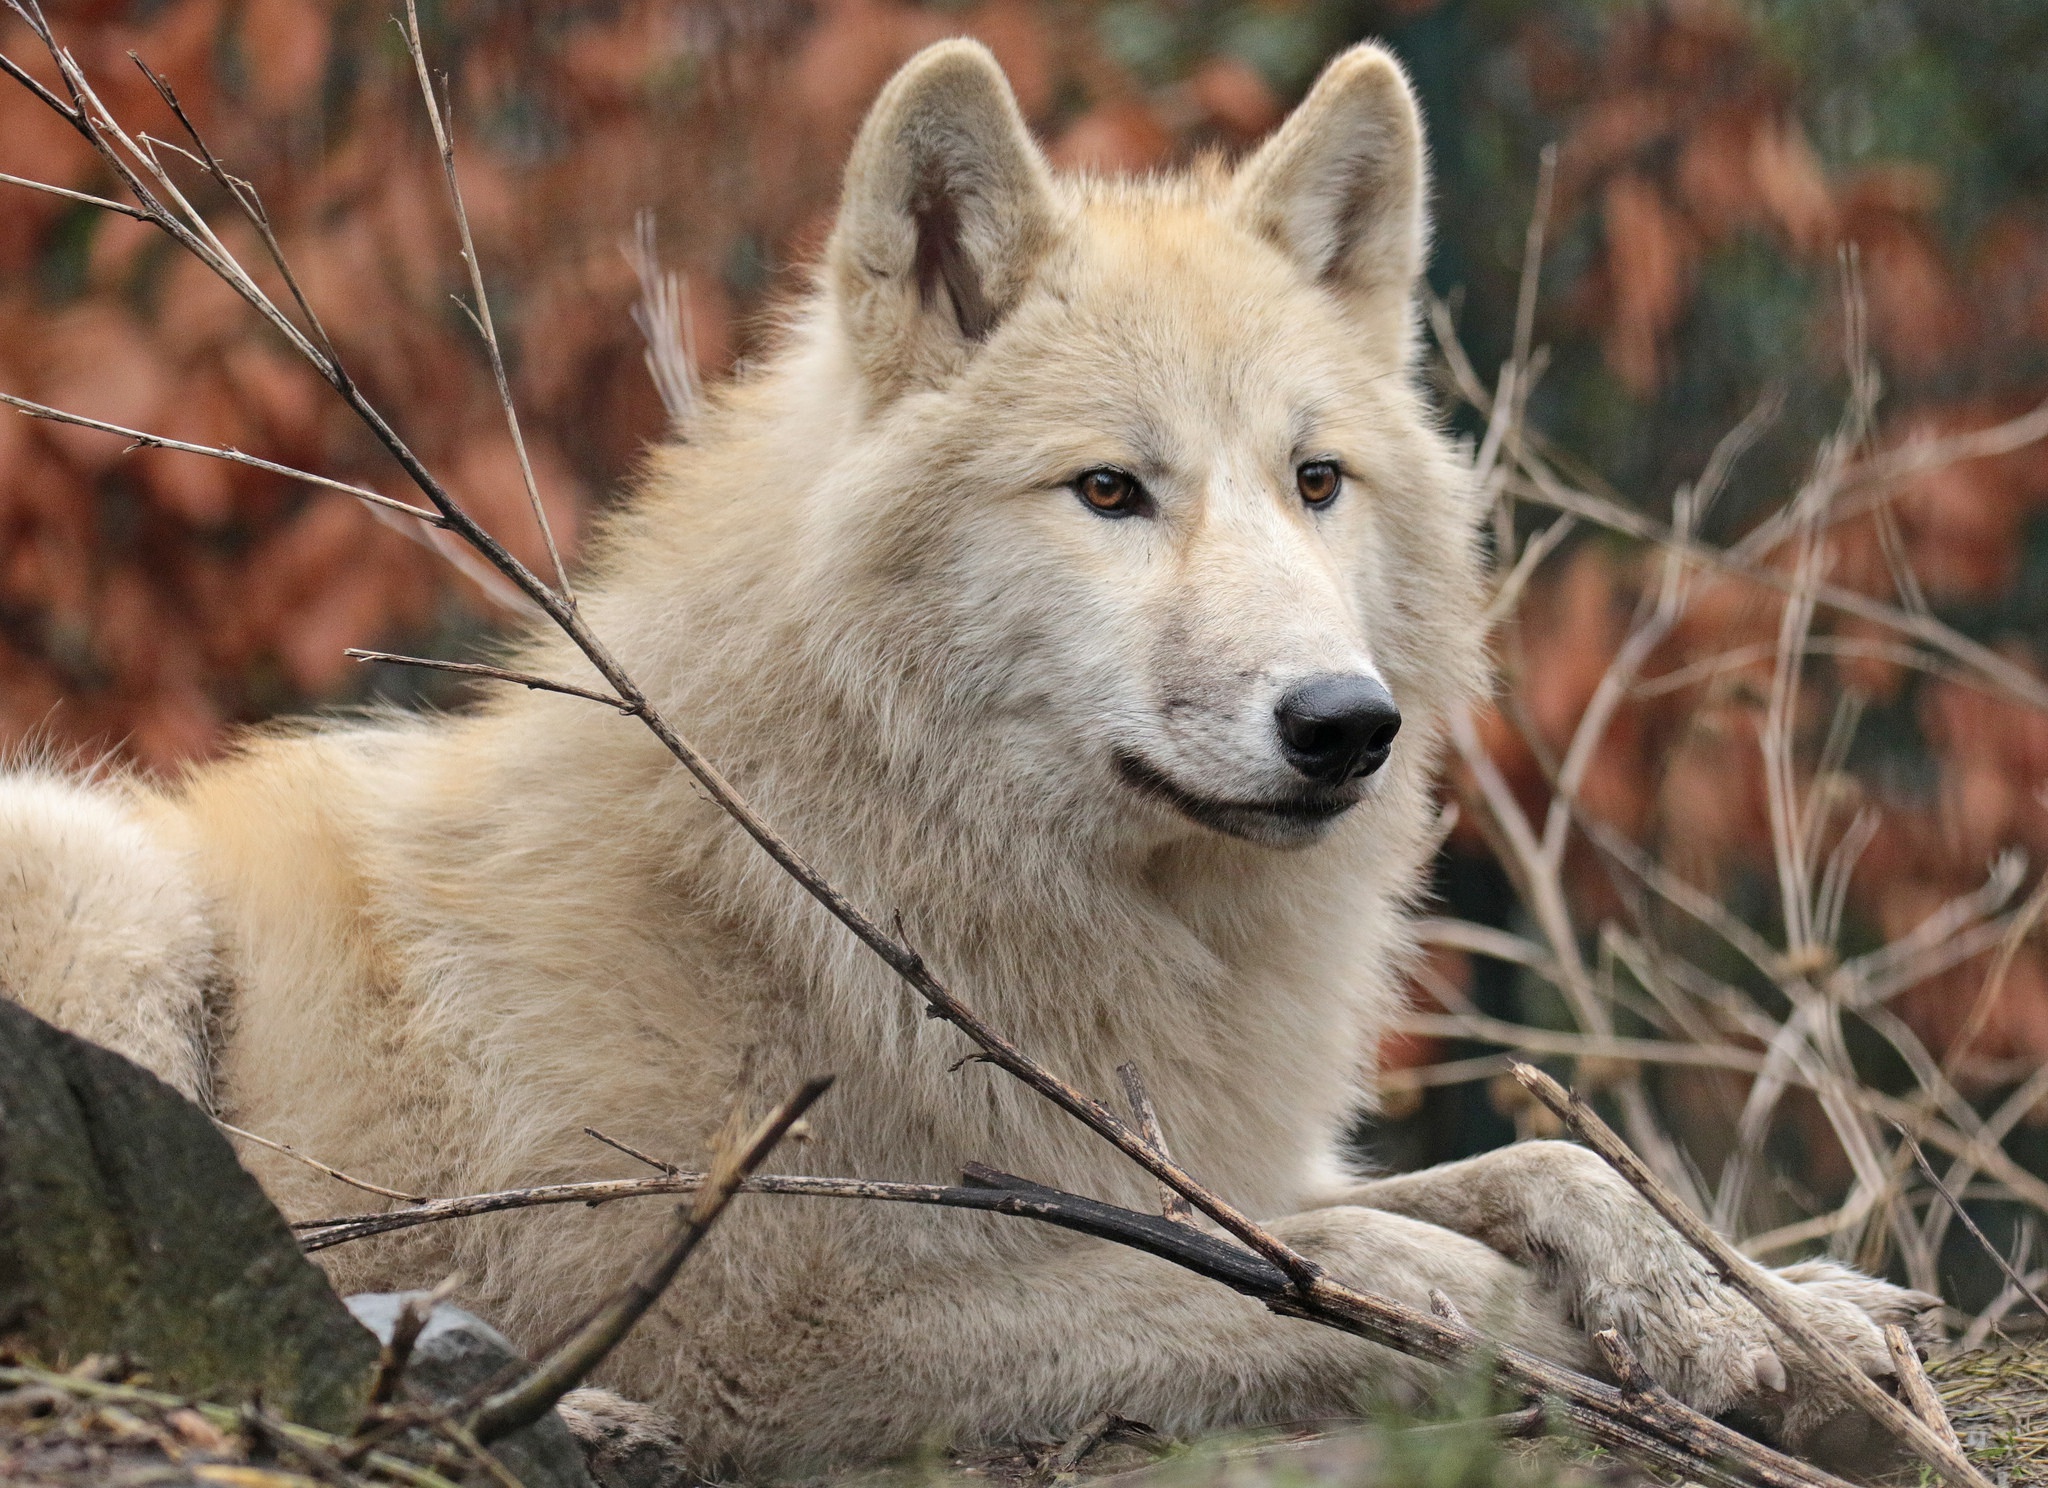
866 590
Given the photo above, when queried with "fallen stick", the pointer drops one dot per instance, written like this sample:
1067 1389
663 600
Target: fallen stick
1915 1387
1746 1277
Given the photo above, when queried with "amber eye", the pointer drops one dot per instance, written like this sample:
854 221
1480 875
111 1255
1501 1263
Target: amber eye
1319 481
1113 492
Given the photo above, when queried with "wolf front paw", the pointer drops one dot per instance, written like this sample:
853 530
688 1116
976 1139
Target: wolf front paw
1714 1350
1850 1311
626 1444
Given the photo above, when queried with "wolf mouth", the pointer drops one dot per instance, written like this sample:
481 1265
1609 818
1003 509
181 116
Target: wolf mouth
1232 817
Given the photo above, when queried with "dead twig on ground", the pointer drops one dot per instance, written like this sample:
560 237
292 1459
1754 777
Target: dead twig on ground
1915 1388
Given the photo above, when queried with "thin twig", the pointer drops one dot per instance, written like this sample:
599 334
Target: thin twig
334 1173
481 310
1741 1273
1171 1204
495 674
1956 1206
140 438
78 196
633 1152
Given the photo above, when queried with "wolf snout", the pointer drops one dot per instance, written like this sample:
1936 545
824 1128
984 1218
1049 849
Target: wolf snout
1337 727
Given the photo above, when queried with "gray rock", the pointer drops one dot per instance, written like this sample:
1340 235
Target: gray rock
127 1226
457 1353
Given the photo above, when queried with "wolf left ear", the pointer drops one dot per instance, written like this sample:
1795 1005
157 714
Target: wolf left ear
946 212
1339 188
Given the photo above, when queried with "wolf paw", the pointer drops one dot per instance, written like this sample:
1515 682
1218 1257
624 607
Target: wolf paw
1849 1310
1714 1350
626 1444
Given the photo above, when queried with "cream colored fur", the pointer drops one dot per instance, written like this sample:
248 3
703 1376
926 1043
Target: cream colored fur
866 589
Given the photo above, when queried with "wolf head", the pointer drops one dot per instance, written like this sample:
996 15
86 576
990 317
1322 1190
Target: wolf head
1132 479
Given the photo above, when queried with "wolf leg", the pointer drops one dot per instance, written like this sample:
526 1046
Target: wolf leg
1591 1239
993 1353
101 930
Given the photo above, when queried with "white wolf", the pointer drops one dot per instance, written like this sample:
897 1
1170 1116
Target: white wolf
1057 584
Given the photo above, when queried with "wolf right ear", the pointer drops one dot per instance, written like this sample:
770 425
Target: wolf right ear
946 211
1340 187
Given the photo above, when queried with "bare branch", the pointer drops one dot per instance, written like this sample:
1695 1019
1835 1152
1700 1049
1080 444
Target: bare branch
495 674
1171 1204
633 1152
143 440
78 196
334 1173
1956 1207
1915 1387
482 308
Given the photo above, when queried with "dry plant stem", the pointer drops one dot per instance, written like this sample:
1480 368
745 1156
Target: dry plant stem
1171 1205
244 196
335 1173
633 1152
2002 674
565 1368
1741 1273
495 674
1543 485
482 309
78 196
226 1417
139 439
1914 1385
1956 1207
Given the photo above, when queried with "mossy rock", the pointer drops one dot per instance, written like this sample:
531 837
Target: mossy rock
127 1226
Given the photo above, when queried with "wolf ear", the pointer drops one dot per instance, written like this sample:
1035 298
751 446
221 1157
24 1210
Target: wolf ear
946 211
1339 188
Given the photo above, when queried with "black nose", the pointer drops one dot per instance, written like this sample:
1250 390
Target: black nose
1339 727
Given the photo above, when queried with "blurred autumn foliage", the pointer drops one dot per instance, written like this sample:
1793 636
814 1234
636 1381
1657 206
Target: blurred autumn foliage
1721 168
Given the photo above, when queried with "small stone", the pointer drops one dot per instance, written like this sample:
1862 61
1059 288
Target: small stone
458 1351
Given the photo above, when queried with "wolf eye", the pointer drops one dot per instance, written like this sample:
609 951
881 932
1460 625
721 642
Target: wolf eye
1113 492
1319 481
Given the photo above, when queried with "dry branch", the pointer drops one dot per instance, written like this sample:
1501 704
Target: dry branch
1955 1205
491 673
1915 1388
139 439
480 312
335 1173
